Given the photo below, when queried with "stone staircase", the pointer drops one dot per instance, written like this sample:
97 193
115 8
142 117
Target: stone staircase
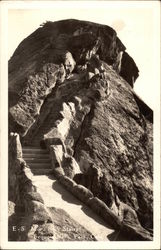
46 126
38 160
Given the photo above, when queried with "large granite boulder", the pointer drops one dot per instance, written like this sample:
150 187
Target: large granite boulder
71 88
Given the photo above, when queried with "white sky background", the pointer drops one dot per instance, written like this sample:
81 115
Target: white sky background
135 27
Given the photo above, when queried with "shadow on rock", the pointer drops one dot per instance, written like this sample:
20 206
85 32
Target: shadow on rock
94 216
66 196
51 177
116 236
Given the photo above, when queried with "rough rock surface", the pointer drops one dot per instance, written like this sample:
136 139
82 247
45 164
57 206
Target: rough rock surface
70 86
66 229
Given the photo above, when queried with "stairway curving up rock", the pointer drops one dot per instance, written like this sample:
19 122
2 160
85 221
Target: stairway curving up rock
38 160
55 195
45 127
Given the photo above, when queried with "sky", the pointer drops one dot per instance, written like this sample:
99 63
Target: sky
135 26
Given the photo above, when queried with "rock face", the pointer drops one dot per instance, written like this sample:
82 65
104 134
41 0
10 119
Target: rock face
66 229
70 86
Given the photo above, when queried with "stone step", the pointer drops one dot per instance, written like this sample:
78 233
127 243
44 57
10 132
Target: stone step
34 150
37 140
41 171
37 160
30 146
35 165
37 156
39 137
36 143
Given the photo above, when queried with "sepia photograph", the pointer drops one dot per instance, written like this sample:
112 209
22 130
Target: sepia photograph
80 125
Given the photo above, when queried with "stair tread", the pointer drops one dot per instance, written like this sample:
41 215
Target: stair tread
35 152
45 156
41 171
37 160
33 148
40 164
38 167
36 157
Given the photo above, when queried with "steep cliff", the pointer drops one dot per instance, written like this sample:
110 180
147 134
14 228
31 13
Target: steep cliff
70 85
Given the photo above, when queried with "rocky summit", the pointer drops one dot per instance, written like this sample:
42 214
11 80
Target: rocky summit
71 91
